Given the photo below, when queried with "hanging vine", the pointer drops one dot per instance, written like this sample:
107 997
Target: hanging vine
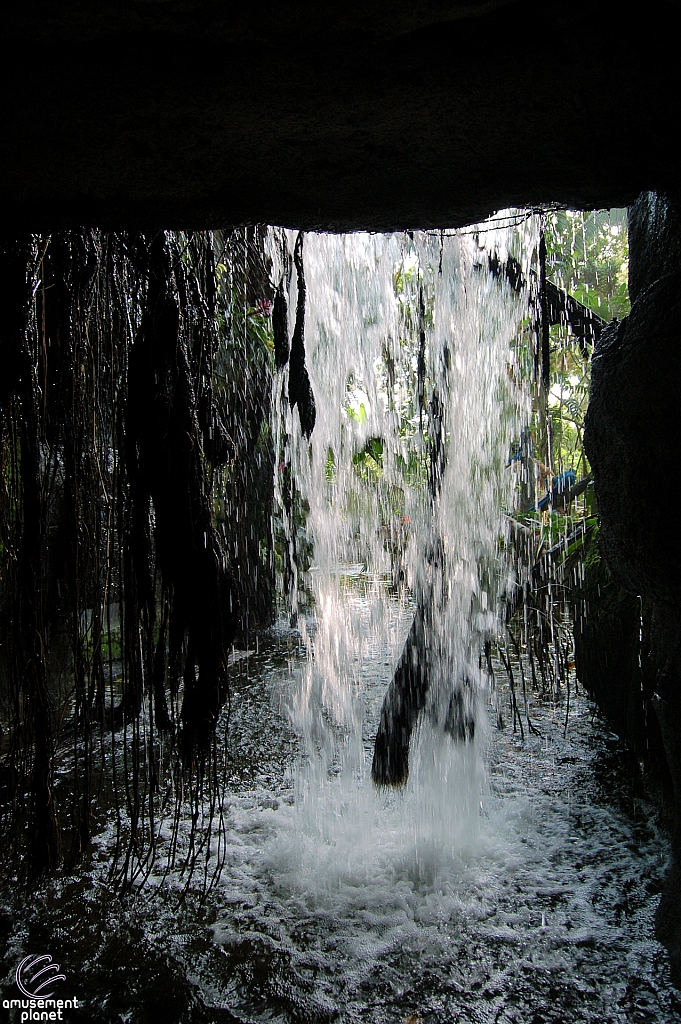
121 589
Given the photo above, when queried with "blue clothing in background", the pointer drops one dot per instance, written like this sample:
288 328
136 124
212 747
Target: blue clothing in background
559 485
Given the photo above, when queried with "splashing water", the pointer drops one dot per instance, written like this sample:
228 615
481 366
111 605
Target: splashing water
409 343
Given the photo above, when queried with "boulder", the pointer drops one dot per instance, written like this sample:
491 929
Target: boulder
632 438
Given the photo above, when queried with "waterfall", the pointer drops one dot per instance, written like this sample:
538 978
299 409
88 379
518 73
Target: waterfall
396 500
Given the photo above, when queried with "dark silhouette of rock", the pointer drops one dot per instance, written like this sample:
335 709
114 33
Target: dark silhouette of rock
405 698
632 438
612 659
378 115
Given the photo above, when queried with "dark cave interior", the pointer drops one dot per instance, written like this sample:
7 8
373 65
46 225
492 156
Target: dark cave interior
140 115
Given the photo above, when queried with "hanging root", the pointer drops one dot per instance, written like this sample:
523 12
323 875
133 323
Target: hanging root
29 766
164 454
115 584
299 387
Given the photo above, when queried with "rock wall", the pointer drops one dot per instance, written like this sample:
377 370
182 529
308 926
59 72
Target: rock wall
612 661
363 114
633 440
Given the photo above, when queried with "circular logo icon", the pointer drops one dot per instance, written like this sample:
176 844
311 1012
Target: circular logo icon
36 973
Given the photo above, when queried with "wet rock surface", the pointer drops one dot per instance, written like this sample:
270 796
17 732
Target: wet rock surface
611 629
376 115
632 437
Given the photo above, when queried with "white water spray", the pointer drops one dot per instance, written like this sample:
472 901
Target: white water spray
410 350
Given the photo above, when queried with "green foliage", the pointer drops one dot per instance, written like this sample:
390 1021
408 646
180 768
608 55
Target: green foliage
588 257
108 644
330 467
368 462
383 476
242 387
552 527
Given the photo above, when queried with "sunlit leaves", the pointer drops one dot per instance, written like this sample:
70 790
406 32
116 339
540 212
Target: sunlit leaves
587 256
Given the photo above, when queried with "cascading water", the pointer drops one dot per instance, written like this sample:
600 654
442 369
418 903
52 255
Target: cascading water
409 343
